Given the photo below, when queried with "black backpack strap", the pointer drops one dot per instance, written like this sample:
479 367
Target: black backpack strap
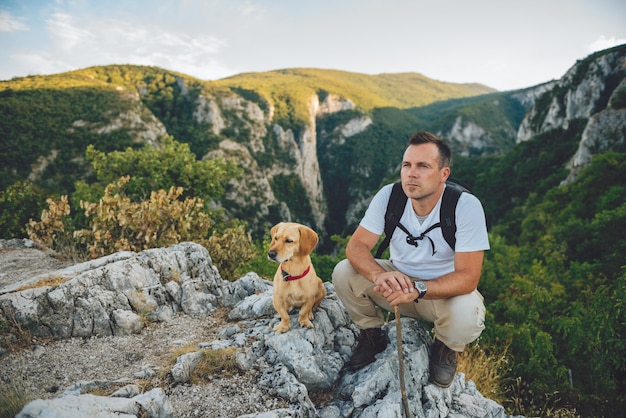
447 219
395 208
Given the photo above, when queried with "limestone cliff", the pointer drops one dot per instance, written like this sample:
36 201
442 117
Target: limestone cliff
592 90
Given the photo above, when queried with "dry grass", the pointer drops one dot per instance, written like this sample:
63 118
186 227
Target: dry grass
487 369
217 362
46 281
213 363
15 337
13 397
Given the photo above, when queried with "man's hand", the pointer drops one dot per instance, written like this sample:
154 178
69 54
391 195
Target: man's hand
396 287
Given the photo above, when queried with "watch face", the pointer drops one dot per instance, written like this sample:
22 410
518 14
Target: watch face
421 287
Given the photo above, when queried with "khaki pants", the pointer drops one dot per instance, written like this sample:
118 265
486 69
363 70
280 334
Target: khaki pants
457 321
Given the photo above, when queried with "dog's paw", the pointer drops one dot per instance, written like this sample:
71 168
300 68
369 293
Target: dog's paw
306 323
280 328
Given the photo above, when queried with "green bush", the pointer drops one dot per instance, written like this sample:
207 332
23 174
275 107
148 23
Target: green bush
19 203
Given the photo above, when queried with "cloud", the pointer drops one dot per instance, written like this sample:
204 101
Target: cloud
248 9
88 42
62 28
8 23
603 43
40 63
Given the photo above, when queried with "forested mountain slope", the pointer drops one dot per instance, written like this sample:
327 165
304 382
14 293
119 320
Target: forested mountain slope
266 121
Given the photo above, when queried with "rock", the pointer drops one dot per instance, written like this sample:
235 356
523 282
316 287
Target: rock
185 364
111 298
151 404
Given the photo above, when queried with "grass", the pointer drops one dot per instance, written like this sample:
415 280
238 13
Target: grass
487 369
213 363
47 281
13 397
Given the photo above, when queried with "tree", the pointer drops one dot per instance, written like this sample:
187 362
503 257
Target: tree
171 164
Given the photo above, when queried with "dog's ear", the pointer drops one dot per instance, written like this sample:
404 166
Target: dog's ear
308 239
274 229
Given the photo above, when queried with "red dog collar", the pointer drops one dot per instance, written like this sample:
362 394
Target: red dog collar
288 277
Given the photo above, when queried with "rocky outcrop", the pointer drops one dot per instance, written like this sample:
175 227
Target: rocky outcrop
108 295
604 131
581 95
575 96
468 136
137 121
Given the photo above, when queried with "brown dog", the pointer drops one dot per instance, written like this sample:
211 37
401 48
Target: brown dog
295 283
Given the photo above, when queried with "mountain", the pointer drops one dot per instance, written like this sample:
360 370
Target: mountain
268 121
314 143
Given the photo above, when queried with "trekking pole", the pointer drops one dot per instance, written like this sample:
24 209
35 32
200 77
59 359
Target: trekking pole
405 400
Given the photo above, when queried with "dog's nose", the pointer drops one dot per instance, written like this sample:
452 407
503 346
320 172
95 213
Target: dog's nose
271 254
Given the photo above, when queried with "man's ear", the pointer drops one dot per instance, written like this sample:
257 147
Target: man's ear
445 174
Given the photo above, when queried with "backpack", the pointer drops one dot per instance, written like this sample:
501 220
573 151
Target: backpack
447 222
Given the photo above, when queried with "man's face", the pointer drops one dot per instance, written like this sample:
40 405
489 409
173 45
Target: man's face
420 173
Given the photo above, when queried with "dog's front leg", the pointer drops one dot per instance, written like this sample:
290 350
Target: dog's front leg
285 321
306 314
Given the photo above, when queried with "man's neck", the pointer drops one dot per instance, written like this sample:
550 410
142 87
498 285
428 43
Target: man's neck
426 204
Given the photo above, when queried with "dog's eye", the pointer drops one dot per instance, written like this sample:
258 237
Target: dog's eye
289 241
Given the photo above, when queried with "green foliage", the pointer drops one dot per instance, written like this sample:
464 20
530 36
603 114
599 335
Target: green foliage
504 182
55 117
588 215
231 249
290 90
553 281
557 294
172 164
362 162
20 202
499 114
288 189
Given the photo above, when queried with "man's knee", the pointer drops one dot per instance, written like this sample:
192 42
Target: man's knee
462 321
342 271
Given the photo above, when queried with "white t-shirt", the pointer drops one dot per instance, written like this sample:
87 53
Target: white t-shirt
471 235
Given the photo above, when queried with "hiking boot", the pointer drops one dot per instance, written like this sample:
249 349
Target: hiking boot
371 342
442 364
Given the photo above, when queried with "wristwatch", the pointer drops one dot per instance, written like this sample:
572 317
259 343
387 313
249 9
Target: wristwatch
421 287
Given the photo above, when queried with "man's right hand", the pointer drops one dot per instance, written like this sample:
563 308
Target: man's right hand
391 281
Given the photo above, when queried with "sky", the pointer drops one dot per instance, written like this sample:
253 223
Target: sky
504 44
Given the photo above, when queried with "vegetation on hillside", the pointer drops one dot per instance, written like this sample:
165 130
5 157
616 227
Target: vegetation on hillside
554 280
290 90
146 198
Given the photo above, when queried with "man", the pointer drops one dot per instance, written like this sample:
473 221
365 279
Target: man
441 279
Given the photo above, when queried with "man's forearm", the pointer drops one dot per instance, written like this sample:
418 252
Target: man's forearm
362 260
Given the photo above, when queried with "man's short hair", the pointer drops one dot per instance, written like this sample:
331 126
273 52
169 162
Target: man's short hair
423 137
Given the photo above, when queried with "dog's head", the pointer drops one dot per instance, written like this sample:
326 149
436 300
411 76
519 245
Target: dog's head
291 239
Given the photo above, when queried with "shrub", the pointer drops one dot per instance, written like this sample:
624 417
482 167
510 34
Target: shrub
231 250
118 224
54 230
19 203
